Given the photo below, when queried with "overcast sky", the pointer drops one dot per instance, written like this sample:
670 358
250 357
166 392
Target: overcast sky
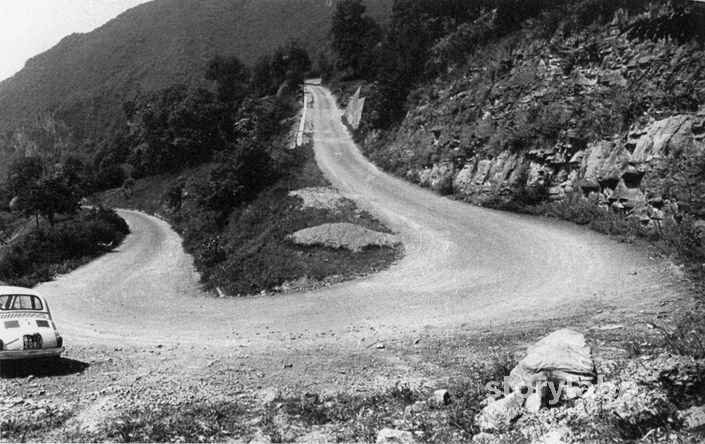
30 27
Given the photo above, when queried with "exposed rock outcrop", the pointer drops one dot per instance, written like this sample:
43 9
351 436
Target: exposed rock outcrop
598 115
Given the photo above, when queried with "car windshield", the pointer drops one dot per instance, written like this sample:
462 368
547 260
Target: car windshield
20 302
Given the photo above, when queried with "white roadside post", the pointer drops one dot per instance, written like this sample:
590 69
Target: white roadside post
302 124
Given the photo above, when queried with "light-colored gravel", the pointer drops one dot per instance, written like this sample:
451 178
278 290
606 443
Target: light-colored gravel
324 198
344 235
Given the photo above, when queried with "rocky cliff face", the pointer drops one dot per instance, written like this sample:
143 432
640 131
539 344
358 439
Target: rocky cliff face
638 177
602 115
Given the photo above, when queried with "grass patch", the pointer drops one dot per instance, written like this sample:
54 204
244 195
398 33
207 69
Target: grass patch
178 423
45 252
22 429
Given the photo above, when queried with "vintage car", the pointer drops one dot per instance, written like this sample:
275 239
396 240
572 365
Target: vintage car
26 327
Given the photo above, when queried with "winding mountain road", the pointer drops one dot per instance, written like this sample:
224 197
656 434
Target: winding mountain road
464 266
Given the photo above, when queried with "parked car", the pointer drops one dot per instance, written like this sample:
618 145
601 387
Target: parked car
26 327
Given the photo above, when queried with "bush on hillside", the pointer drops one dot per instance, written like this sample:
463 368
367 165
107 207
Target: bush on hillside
45 252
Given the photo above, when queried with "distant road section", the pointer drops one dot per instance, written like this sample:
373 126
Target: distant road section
464 266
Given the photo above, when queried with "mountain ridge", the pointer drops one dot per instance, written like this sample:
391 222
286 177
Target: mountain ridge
86 76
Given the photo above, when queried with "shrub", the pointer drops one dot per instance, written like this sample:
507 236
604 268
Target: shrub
41 254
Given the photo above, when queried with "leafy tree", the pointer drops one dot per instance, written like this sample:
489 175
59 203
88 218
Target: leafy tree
36 194
23 174
289 65
232 78
176 127
242 172
262 78
73 171
353 36
53 196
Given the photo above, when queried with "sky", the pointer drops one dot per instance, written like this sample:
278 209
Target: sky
30 27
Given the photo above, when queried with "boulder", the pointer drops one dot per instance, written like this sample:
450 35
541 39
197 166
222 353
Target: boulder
483 169
415 408
315 437
441 178
463 181
604 163
555 436
439 398
394 436
628 197
562 357
693 418
662 135
487 438
497 416
534 401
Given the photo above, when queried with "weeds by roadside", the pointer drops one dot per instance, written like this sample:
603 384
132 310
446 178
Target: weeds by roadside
177 423
22 429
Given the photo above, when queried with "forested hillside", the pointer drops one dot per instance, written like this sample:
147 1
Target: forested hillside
82 82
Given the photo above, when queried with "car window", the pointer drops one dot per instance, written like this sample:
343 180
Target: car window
4 301
21 302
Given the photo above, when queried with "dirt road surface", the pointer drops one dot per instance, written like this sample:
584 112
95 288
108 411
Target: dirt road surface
140 323
463 265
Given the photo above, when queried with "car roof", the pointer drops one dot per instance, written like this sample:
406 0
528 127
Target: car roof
7 289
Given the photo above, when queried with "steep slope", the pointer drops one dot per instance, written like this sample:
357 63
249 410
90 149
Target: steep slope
608 116
87 76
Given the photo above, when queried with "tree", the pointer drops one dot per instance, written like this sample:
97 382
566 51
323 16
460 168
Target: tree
35 194
241 173
53 196
289 65
232 78
353 36
262 78
24 173
176 127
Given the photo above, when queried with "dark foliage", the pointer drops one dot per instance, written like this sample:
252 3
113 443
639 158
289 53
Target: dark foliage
353 38
41 254
232 78
176 127
35 193
281 72
241 173
682 24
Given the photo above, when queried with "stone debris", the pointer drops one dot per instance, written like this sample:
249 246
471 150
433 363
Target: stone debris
322 198
344 235
498 415
394 436
693 418
439 398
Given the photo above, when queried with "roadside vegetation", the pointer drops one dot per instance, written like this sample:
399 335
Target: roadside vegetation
45 252
45 231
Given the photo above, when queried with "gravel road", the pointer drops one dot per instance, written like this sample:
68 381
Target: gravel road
464 265
139 330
